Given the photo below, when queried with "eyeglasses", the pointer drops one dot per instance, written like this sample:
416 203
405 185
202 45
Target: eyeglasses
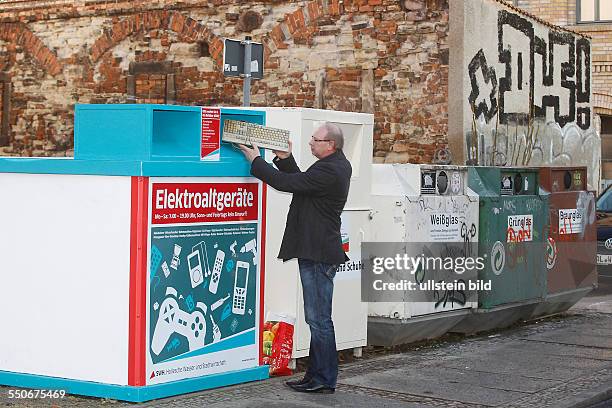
321 140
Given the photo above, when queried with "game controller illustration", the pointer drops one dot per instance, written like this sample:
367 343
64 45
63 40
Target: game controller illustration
172 320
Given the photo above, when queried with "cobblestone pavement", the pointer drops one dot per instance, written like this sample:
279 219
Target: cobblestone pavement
559 362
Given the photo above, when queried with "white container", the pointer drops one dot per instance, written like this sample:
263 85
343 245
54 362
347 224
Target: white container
283 289
409 201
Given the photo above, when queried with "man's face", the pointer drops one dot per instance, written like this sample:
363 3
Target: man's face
320 145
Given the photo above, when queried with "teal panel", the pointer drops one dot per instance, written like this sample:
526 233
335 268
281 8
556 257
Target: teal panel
229 152
131 393
117 132
176 135
146 132
244 339
240 168
70 166
141 140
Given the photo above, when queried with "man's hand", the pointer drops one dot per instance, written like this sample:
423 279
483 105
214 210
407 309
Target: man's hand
283 155
250 152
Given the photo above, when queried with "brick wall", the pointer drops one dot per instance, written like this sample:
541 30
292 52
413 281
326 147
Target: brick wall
557 12
388 57
602 65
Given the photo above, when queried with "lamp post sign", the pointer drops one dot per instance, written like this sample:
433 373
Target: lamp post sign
243 59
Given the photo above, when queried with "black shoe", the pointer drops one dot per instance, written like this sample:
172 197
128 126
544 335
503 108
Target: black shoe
293 383
312 387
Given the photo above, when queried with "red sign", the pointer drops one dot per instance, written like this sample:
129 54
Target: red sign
211 135
180 203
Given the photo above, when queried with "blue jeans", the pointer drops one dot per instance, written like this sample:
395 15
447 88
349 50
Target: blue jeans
318 289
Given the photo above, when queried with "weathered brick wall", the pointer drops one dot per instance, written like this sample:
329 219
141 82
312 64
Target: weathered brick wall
389 57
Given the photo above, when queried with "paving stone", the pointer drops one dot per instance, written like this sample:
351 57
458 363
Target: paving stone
552 363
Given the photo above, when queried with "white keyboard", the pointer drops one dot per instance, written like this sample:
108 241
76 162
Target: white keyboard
247 133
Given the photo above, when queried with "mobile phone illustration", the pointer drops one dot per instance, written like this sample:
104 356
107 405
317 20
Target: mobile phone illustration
241 279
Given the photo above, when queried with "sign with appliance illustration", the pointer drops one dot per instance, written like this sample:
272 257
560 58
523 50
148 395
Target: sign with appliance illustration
203 291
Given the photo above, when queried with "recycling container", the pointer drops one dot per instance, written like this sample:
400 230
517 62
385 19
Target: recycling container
283 290
421 210
132 272
512 237
571 252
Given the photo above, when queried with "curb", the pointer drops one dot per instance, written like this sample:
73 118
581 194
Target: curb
594 399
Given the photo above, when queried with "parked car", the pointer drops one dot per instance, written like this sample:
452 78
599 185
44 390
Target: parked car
604 227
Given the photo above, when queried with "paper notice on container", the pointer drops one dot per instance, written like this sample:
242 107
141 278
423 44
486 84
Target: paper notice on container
444 227
210 144
520 228
570 221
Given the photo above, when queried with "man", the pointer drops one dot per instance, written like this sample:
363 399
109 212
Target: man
312 235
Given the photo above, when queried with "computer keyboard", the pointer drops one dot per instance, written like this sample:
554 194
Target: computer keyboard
247 133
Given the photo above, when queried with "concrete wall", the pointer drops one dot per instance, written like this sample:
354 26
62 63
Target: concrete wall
520 90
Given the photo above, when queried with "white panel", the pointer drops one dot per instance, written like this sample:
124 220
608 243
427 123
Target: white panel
283 288
358 143
65 251
349 313
401 213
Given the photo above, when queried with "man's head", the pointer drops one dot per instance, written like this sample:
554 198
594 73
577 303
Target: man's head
326 140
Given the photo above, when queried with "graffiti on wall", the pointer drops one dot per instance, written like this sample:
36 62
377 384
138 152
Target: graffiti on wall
560 63
531 98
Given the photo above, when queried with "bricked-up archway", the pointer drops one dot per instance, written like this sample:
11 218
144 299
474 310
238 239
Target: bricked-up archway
18 33
187 28
155 82
295 26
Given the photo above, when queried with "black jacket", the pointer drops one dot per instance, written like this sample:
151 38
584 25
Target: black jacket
319 194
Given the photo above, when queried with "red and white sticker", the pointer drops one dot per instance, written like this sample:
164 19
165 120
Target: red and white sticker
344 233
210 142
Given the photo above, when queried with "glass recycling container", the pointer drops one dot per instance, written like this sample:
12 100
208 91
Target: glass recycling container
131 270
512 238
571 251
421 210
